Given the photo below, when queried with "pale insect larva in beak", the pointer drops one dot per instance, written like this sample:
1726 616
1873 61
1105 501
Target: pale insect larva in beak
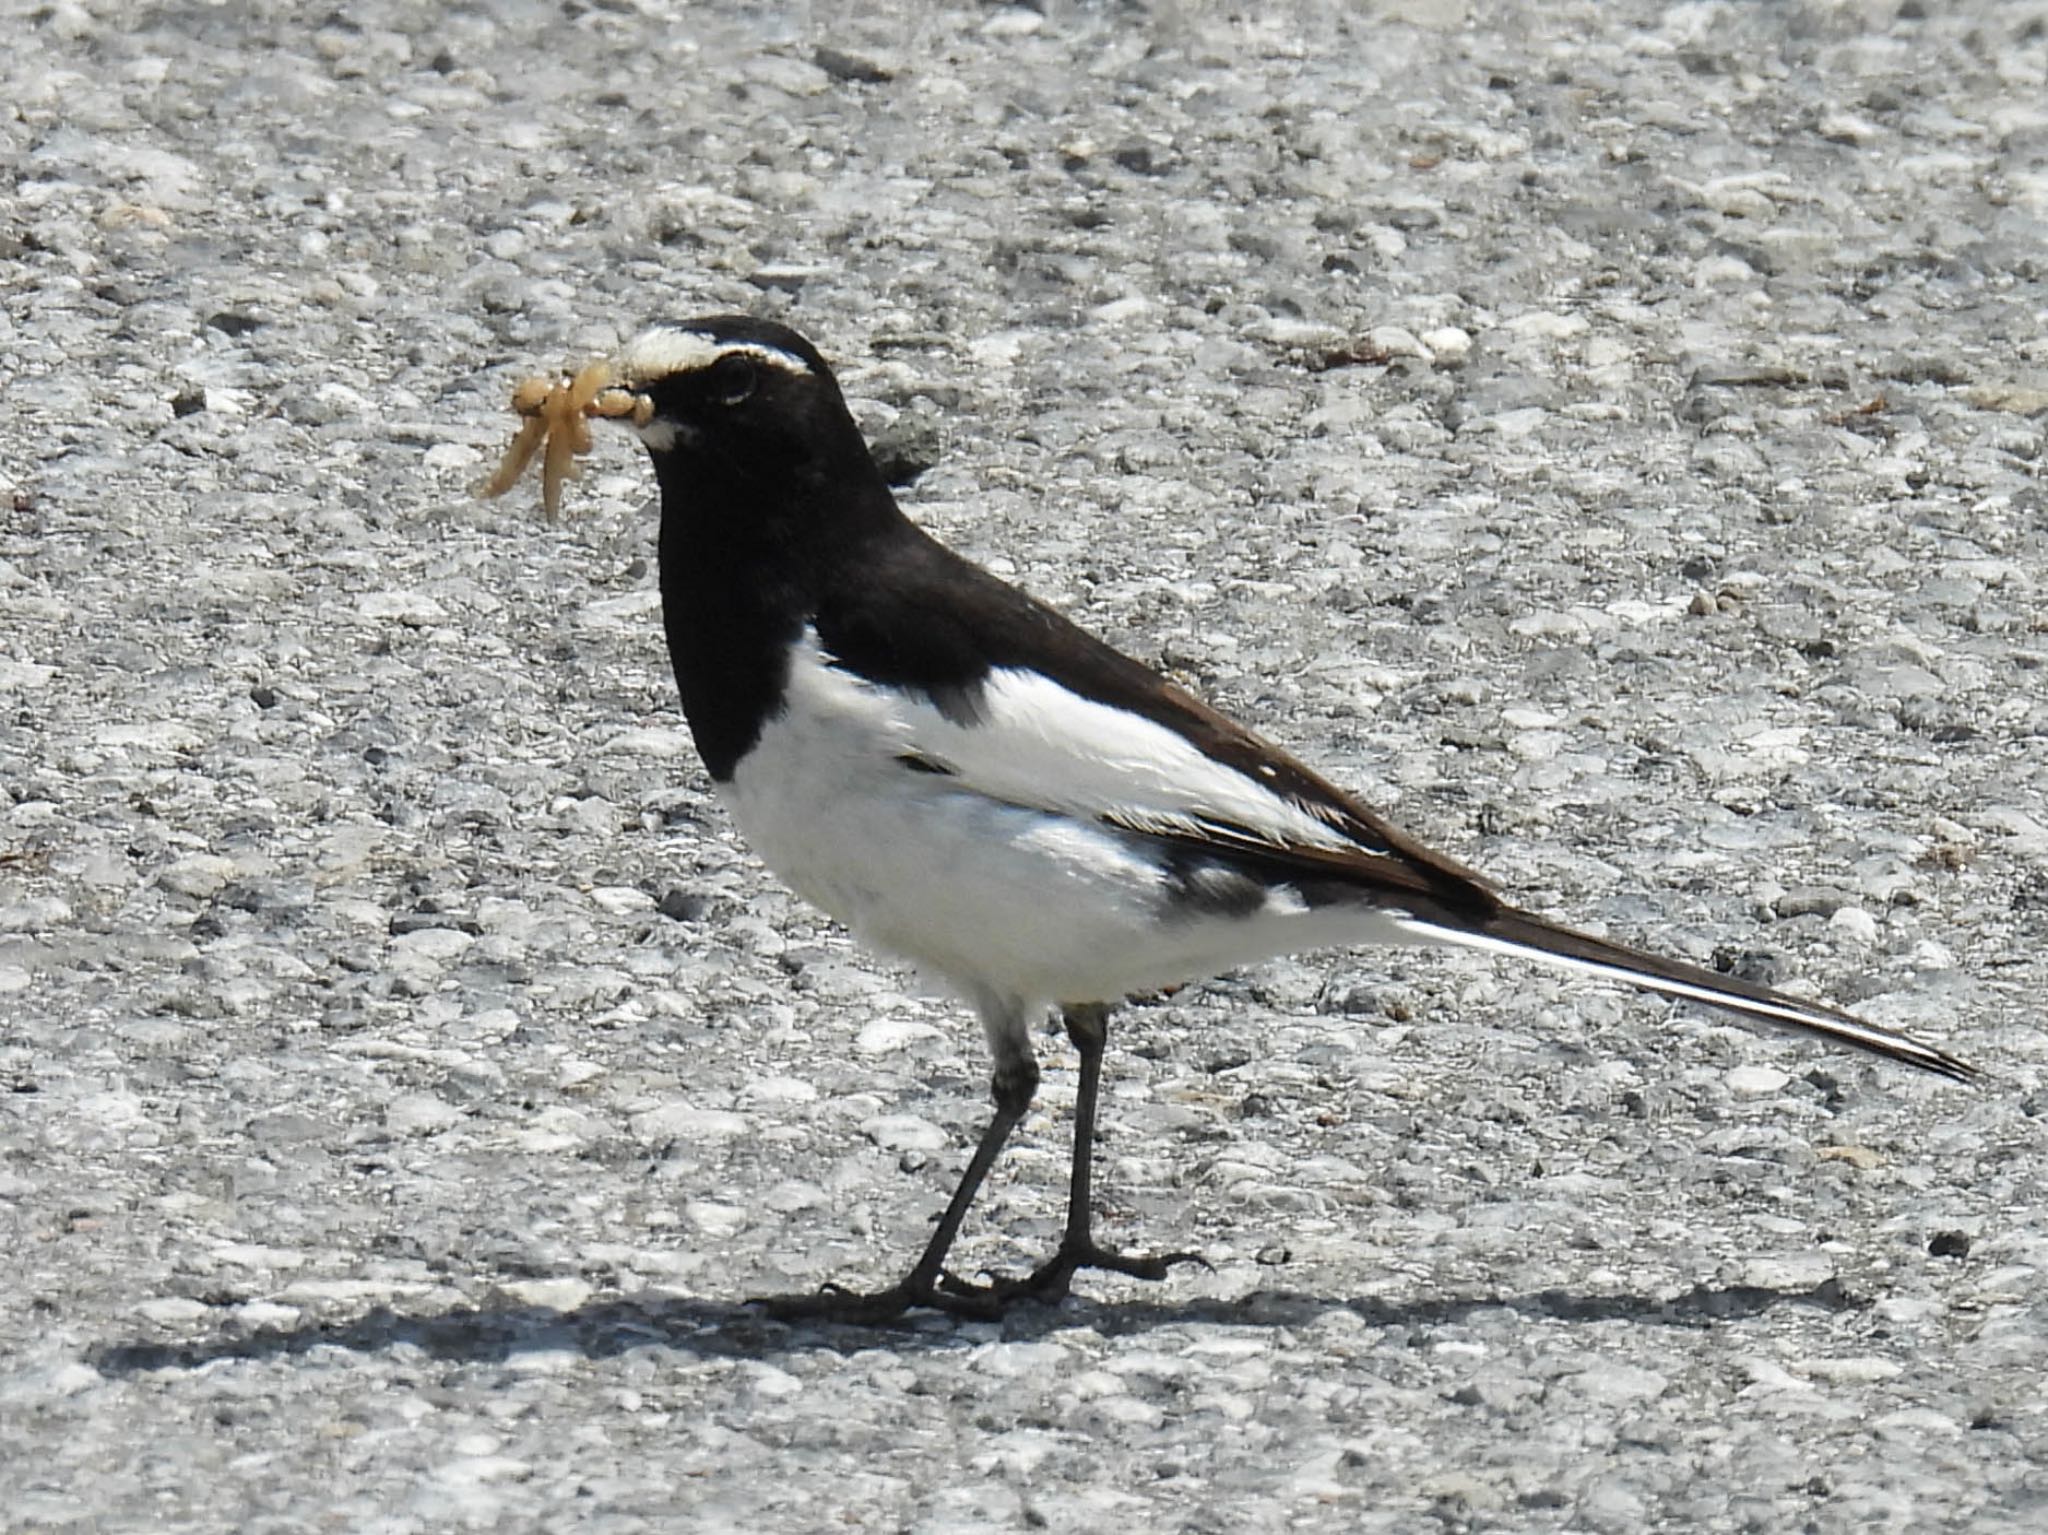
555 424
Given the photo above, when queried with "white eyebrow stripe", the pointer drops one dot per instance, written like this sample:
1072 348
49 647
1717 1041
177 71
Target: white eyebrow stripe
665 350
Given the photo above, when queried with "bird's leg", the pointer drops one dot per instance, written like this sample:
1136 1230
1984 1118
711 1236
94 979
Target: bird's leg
1088 1027
1013 1087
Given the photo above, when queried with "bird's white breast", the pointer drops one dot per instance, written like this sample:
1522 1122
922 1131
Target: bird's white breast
997 875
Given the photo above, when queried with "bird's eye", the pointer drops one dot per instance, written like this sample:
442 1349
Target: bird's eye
731 379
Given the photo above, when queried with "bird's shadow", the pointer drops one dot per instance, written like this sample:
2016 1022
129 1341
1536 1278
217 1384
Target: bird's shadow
712 1329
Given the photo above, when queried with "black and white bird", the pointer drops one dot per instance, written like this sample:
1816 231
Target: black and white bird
968 780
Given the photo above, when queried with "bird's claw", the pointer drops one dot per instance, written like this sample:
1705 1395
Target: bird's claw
1051 1281
1047 1284
836 1303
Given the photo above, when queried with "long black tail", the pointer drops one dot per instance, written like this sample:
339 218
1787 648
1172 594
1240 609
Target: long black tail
1506 931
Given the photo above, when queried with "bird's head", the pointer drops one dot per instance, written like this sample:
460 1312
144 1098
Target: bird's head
738 400
742 418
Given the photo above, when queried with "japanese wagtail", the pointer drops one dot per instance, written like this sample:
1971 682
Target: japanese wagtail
970 781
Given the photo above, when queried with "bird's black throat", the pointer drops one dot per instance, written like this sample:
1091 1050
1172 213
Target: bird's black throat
748 562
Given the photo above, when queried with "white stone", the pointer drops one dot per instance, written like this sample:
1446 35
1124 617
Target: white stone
1856 1370
255 1256
1549 326
715 1219
651 742
1447 344
1013 21
414 608
564 1294
436 944
156 736
1395 341
1756 1081
171 1309
264 1313
887 1034
420 1114
681 1121
780 1090
903 1132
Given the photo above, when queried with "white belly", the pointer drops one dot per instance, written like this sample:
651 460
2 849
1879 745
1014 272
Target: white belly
1033 906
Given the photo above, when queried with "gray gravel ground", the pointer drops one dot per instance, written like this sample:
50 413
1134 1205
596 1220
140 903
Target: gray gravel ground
1608 435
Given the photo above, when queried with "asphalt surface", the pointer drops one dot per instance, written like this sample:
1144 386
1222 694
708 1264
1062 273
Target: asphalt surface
1606 436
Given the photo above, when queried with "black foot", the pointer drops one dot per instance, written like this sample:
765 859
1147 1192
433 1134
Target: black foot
1051 1280
833 1303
